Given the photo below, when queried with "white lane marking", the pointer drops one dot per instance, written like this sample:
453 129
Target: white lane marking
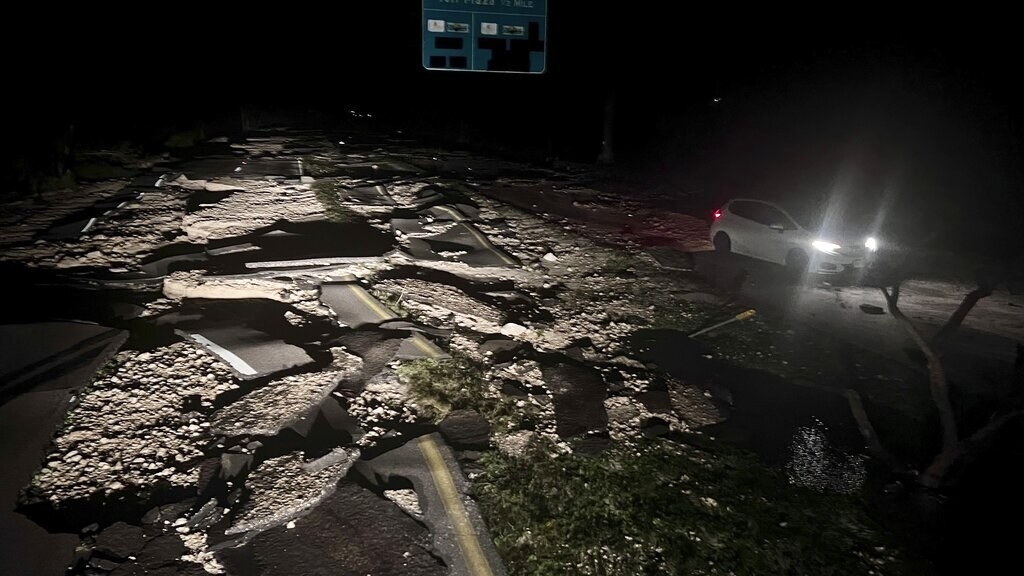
237 363
88 225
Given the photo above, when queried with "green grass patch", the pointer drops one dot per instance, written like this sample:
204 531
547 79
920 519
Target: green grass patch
660 508
618 264
392 301
440 386
689 317
327 192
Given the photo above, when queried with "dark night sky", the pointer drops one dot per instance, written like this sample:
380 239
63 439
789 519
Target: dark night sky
872 102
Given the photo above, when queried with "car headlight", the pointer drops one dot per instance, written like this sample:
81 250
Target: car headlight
871 244
826 247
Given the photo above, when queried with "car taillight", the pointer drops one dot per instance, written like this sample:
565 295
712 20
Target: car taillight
718 214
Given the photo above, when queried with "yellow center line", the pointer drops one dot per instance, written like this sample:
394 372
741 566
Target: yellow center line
418 339
371 302
459 218
476 562
487 244
425 345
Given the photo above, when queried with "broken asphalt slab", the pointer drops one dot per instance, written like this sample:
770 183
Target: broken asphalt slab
354 532
459 535
464 243
49 353
372 195
250 353
353 305
356 308
44 355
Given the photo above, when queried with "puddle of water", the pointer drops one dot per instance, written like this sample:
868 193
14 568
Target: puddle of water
769 414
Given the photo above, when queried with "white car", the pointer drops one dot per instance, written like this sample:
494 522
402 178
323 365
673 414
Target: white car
765 231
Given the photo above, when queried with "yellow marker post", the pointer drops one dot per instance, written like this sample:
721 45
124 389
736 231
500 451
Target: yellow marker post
741 316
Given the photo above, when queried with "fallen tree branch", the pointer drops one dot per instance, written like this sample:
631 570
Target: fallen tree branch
867 431
936 376
937 471
957 318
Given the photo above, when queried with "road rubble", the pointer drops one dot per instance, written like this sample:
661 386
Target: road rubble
389 275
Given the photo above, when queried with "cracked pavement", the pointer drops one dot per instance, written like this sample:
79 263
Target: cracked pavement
272 298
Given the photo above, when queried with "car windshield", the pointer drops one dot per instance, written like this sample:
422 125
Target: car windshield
821 215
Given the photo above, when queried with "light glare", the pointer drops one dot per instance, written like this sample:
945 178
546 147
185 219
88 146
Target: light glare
826 247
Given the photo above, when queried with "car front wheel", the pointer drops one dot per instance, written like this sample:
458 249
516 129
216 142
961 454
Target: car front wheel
797 261
722 243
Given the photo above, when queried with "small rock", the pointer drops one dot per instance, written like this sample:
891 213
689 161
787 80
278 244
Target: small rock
103 564
512 330
654 427
407 500
290 525
231 464
151 517
515 444
121 540
549 257
466 429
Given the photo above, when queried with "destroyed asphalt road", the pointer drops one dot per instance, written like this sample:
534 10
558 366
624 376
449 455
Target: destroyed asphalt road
302 317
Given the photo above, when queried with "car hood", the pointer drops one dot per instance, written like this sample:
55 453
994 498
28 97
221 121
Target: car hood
843 236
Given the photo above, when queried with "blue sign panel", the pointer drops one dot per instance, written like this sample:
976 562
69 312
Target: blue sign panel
485 35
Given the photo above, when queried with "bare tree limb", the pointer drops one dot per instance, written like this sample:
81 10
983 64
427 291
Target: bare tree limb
957 318
936 376
939 468
867 430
